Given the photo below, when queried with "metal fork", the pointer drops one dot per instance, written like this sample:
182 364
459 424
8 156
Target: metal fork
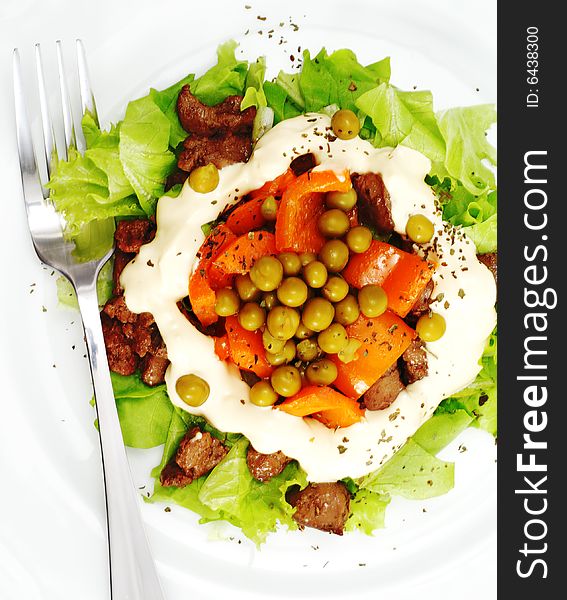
132 570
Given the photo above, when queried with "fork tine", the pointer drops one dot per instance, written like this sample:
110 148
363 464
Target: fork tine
68 125
33 191
48 134
87 97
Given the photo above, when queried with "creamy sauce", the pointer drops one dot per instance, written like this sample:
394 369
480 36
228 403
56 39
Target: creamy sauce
158 278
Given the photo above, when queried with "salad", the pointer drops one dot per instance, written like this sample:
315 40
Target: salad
306 317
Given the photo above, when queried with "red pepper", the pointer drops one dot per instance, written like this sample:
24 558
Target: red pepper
384 339
246 348
201 292
302 203
402 275
239 256
324 404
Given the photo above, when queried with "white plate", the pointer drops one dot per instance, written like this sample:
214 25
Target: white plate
52 543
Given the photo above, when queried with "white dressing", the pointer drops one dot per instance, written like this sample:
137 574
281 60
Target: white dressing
158 278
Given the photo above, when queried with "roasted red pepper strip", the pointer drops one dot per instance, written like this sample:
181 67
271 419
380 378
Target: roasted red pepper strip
324 404
301 206
246 348
201 293
239 256
402 275
384 339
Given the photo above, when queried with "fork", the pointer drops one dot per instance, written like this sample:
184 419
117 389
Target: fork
132 570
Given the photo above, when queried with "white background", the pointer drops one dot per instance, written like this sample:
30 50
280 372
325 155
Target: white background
52 529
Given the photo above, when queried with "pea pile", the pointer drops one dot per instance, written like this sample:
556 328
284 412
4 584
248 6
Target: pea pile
300 302
302 305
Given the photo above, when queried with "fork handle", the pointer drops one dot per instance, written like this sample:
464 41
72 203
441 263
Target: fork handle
133 574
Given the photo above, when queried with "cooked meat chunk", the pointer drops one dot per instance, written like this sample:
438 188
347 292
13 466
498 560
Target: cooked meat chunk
221 151
203 120
421 305
116 308
199 452
302 164
121 259
153 369
413 362
265 466
249 377
491 261
172 475
375 208
121 357
132 234
324 506
177 177
385 390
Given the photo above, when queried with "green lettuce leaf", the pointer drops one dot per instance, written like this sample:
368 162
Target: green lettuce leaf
441 429
226 78
464 130
166 101
367 511
484 235
412 473
405 118
145 412
144 151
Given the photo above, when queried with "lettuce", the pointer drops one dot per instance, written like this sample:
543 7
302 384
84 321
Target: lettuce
367 511
412 473
230 493
226 78
484 234
144 151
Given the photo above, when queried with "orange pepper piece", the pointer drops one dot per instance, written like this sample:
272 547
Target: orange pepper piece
221 347
246 348
402 275
240 255
201 294
325 404
384 339
301 206
246 217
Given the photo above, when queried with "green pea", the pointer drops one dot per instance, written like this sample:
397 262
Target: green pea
269 208
306 257
270 299
267 273
282 322
315 274
333 339
286 381
333 223
285 356
347 310
247 291
272 344
318 314
251 316
321 372
227 302
262 394
419 229
192 389
291 263
292 292
303 332
344 201
334 255
204 179
335 289
307 350
345 124
372 300
359 239
431 327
